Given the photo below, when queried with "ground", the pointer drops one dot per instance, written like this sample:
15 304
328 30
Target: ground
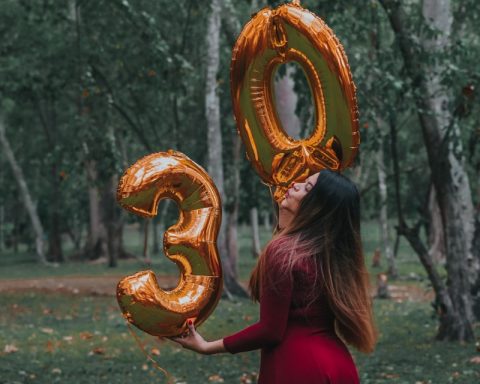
63 325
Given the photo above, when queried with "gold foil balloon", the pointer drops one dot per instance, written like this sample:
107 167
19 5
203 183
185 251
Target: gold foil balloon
274 37
190 243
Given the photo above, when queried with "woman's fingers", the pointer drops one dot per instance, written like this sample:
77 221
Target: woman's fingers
191 327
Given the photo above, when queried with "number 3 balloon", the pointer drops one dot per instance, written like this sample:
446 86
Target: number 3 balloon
190 243
271 38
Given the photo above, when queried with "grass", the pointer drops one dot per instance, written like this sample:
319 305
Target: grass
64 338
23 264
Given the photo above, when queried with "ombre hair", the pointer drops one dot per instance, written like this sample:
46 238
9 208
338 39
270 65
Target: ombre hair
326 231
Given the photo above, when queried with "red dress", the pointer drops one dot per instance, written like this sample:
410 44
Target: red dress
298 341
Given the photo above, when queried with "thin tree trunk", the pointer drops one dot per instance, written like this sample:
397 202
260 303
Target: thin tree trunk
25 194
214 138
155 242
55 250
256 248
383 213
286 102
232 239
112 220
2 211
445 155
2 221
233 206
476 255
159 226
436 237
96 245
267 225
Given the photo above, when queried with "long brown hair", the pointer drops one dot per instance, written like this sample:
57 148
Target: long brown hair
326 230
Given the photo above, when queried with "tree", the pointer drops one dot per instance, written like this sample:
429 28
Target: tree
214 137
25 193
445 153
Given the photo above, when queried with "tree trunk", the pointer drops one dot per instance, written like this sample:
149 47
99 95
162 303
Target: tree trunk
55 251
233 206
266 221
232 239
113 221
214 139
158 227
383 214
436 237
2 221
286 102
155 242
476 255
445 155
96 245
25 194
256 248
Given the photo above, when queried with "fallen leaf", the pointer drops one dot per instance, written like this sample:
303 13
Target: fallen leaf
67 338
155 351
215 379
390 375
86 335
56 371
10 348
475 360
48 331
52 345
144 367
97 351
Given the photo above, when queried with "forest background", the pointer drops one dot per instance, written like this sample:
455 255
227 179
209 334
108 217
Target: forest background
88 87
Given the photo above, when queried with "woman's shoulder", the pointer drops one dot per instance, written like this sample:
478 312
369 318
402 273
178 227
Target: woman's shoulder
279 246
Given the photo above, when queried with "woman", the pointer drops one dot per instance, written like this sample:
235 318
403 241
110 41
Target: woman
312 285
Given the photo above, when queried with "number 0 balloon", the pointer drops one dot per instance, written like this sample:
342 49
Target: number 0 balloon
190 243
290 33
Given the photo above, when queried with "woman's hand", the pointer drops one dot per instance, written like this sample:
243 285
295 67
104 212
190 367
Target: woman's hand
192 340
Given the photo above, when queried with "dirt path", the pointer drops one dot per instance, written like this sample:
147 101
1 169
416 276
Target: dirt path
106 286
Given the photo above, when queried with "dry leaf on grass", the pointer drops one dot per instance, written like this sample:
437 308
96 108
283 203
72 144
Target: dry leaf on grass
10 348
216 379
52 345
48 331
155 351
475 360
97 351
86 335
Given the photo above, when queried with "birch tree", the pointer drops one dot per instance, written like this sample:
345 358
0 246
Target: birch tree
445 155
27 199
214 137
383 211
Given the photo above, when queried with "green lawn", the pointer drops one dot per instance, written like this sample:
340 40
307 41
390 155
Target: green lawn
62 338
23 264
72 339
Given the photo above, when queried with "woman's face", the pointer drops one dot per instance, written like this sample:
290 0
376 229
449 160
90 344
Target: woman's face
296 193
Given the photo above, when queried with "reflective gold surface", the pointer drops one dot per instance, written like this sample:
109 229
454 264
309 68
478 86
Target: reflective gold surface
190 243
274 37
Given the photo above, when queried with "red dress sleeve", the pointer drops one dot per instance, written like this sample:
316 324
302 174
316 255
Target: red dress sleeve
274 309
